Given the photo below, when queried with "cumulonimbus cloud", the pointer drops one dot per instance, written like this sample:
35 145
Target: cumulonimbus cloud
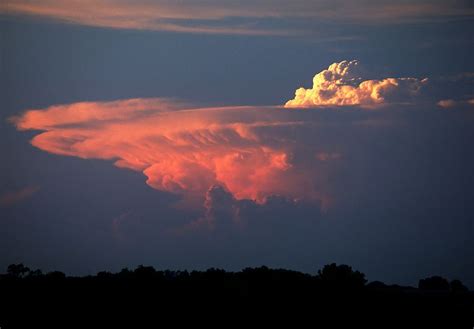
342 84
184 150
251 152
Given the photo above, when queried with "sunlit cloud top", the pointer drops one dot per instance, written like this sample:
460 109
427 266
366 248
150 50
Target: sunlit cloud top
343 84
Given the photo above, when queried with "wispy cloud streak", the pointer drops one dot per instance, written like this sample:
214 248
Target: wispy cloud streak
213 16
13 197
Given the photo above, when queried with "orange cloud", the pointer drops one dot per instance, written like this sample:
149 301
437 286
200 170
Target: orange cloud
85 112
143 15
13 197
447 103
180 150
191 16
341 84
451 103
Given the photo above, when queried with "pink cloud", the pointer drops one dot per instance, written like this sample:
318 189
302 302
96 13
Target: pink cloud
180 150
160 15
13 197
175 16
447 103
451 103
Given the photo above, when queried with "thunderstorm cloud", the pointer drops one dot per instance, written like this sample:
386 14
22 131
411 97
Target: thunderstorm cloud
238 152
342 84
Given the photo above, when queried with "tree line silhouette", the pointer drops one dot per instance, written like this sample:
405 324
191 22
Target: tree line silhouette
335 293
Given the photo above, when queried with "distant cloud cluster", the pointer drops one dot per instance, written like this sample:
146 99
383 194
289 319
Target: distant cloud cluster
342 84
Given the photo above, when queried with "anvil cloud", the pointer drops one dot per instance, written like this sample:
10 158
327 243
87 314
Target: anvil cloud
184 150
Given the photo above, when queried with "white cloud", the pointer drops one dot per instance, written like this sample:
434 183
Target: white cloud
342 84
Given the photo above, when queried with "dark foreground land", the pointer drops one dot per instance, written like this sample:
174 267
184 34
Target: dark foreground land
336 297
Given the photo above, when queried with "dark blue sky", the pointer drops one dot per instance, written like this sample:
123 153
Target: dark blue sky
404 186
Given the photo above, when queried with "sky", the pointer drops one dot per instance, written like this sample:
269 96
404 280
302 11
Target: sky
197 134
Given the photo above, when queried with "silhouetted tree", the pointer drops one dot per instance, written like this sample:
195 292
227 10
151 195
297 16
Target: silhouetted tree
377 285
17 270
104 275
434 283
35 274
145 272
170 275
125 273
56 275
341 276
457 286
348 299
